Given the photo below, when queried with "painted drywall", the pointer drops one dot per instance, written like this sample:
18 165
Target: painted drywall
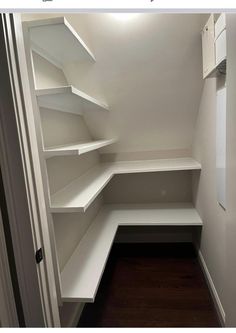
144 155
62 128
212 241
150 187
69 229
230 273
146 188
47 75
148 70
63 170
219 232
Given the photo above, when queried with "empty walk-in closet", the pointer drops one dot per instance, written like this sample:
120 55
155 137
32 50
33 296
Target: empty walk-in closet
129 124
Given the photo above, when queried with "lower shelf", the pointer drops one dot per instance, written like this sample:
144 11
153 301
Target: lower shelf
81 275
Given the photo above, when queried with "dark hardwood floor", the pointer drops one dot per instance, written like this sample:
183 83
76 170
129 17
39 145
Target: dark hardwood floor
151 285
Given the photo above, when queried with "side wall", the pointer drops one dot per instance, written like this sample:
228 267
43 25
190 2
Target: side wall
231 173
212 241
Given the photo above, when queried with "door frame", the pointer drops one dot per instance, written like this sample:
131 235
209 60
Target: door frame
8 312
22 181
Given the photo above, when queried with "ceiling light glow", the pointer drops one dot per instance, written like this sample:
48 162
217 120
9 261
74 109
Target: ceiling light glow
124 16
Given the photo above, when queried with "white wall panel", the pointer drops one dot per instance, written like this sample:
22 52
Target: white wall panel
70 228
212 240
148 70
231 172
46 74
221 146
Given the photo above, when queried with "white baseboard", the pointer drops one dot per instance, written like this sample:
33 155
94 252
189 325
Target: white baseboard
214 294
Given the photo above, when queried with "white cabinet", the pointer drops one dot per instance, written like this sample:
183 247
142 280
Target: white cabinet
208 46
214 46
220 47
220 39
220 25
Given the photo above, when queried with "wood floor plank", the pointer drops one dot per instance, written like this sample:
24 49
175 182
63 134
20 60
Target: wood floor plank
151 285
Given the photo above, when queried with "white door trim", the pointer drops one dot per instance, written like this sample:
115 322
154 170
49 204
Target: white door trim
8 313
23 185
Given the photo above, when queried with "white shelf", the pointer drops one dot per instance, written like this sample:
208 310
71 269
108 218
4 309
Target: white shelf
81 275
56 40
159 165
79 194
76 149
67 99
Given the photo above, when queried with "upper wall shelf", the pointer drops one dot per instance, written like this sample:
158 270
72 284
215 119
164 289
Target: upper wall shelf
77 149
56 40
81 275
79 194
67 99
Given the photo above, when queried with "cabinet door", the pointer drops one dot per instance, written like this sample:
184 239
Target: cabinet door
220 48
208 47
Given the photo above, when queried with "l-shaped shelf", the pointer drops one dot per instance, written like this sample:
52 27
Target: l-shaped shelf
77 148
81 275
79 194
56 40
67 99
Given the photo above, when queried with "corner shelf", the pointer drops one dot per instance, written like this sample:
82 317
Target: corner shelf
81 275
66 99
56 40
77 148
79 194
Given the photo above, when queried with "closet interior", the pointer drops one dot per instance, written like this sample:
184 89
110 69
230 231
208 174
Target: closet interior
117 149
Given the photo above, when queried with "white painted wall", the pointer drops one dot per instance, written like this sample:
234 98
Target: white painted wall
46 74
150 187
212 241
148 70
62 128
63 170
219 231
230 272
69 229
